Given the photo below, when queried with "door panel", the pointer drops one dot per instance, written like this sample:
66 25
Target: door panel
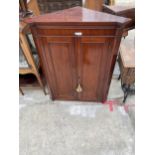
95 55
61 66
70 62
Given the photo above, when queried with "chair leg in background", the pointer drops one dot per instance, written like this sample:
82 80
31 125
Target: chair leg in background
40 83
21 91
126 92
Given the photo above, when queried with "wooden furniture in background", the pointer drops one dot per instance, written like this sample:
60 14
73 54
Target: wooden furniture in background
47 6
126 61
78 49
94 4
33 6
111 2
21 91
29 63
124 11
23 9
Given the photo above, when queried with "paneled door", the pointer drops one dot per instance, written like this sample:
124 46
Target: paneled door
60 66
93 64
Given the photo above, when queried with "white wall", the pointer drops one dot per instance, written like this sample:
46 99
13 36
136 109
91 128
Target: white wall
117 2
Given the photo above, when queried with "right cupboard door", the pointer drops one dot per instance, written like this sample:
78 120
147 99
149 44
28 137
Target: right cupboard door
94 56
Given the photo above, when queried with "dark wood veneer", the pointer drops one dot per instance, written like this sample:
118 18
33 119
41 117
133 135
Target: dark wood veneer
78 49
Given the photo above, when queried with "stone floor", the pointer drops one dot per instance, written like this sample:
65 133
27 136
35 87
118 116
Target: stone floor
76 128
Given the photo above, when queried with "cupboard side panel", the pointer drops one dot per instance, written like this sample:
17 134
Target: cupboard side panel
39 41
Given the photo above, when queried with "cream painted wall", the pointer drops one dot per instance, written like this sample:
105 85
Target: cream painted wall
125 2
121 2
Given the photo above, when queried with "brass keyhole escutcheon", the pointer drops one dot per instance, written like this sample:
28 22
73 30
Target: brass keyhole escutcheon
79 88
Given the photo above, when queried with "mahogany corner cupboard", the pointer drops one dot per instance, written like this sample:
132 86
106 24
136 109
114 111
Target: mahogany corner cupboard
78 49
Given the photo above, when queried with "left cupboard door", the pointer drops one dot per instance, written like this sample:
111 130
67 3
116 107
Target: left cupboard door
59 63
